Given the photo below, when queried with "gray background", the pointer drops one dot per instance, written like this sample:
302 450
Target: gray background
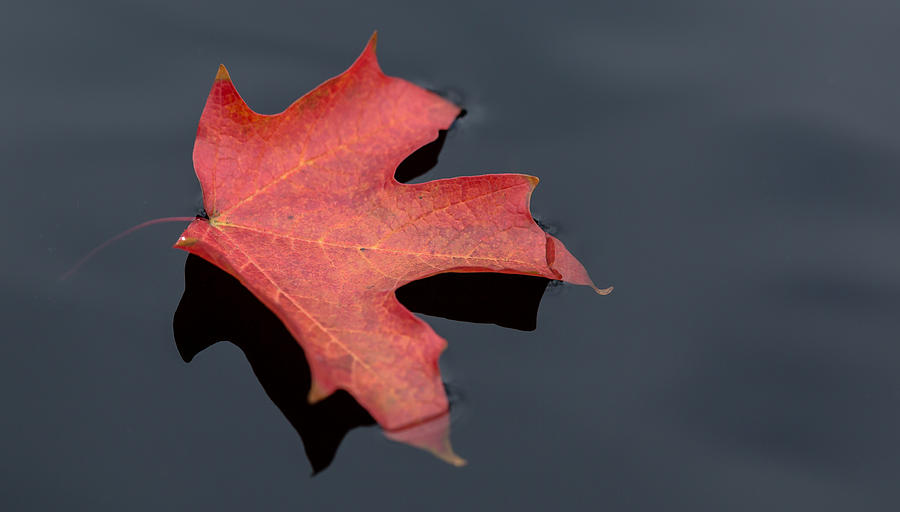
731 167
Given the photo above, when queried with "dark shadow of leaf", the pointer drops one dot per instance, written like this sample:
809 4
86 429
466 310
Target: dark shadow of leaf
507 300
423 159
214 307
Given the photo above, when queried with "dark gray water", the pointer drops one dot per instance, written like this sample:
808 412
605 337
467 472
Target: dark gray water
731 167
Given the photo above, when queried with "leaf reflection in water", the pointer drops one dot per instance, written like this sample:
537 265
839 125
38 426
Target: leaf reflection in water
216 307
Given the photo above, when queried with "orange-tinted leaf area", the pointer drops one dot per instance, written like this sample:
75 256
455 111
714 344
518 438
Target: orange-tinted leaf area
304 210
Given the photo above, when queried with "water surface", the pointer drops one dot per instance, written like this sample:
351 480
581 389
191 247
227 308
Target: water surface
731 167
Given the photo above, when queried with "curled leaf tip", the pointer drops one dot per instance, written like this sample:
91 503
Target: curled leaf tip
432 435
451 458
604 291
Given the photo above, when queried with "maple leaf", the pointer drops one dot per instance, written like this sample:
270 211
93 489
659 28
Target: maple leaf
304 210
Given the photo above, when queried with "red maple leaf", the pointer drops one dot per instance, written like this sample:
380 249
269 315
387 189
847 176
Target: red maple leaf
304 210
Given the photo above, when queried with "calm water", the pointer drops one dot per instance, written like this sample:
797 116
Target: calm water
731 167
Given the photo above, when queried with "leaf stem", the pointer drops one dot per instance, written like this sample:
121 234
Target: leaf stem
123 234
